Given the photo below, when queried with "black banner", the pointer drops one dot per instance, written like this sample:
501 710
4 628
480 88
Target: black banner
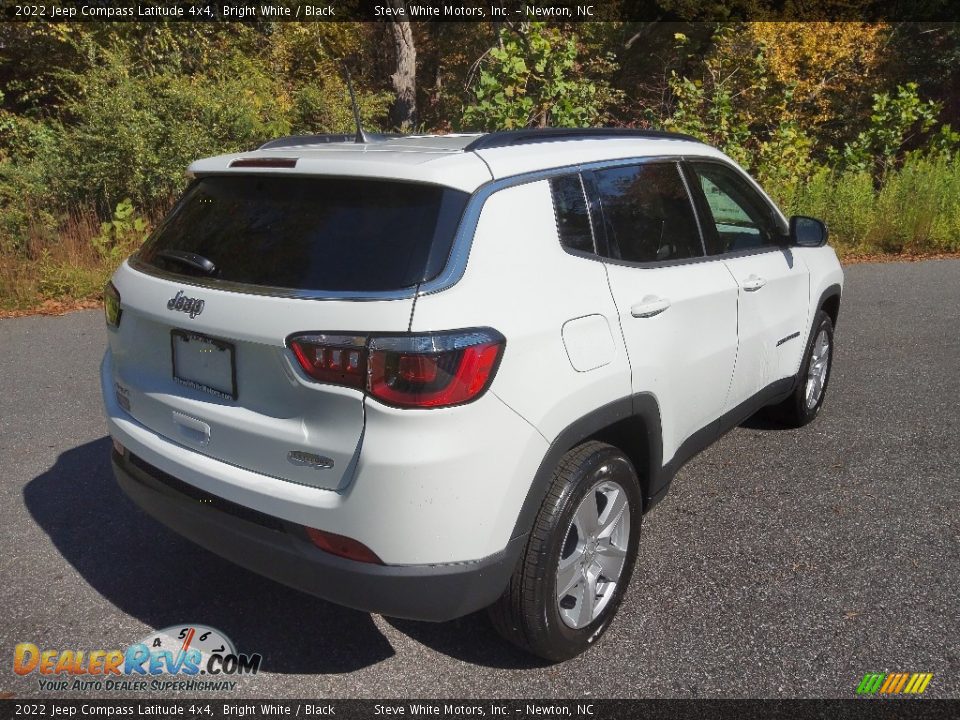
475 10
865 709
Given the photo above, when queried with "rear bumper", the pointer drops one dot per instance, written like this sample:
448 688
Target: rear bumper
280 550
420 494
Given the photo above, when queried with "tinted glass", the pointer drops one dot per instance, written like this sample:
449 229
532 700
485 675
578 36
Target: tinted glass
573 218
741 218
647 213
309 233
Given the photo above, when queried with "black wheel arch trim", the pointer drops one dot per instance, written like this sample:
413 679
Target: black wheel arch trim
642 408
832 291
655 476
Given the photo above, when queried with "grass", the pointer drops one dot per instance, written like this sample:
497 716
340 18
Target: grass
62 270
914 213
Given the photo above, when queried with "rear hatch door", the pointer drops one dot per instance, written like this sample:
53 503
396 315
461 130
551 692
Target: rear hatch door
242 263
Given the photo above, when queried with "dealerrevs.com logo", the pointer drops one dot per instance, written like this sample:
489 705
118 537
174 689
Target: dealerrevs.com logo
186 657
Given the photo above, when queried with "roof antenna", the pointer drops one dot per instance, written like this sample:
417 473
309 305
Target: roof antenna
361 136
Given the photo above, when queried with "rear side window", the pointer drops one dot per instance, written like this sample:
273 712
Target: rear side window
308 233
647 213
573 217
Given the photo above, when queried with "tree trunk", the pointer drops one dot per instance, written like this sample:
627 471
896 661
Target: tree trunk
403 113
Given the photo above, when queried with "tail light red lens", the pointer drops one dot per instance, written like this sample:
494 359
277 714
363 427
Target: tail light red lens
335 359
413 371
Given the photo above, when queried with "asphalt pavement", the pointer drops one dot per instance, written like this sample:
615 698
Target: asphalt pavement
784 563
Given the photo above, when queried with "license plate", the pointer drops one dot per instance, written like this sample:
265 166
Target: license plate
204 363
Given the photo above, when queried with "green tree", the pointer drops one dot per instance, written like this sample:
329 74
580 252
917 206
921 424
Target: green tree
536 78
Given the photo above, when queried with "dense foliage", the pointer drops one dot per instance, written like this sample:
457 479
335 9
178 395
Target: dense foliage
851 122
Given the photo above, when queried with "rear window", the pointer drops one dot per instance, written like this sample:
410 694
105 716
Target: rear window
308 233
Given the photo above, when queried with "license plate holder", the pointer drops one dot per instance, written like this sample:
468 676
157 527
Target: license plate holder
204 363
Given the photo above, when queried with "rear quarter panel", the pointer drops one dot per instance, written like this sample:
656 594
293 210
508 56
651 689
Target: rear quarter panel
520 281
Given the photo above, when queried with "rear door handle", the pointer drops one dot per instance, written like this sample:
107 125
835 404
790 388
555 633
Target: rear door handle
754 283
648 307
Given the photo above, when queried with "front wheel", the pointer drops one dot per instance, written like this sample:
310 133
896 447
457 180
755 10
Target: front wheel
579 558
807 399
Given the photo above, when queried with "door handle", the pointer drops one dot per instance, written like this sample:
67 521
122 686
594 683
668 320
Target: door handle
754 283
648 307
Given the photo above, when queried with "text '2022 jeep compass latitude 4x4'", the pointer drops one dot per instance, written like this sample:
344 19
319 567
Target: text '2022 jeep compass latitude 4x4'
421 376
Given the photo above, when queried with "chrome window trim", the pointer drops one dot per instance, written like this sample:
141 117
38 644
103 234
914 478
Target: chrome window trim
463 240
456 265
266 290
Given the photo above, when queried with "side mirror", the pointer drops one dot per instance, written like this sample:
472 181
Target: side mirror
807 232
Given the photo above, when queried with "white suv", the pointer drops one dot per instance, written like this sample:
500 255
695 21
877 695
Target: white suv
421 376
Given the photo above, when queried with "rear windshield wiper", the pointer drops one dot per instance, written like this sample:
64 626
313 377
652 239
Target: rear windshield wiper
197 262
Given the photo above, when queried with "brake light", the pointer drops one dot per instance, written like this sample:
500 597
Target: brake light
111 305
264 162
432 370
410 371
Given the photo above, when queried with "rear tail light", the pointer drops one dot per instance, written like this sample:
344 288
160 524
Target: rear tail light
334 359
412 371
111 305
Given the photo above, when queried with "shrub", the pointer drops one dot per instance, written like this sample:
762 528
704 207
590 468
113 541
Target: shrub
915 210
122 235
536 77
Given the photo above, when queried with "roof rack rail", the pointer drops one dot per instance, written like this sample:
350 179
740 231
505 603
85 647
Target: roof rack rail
293 140
507 138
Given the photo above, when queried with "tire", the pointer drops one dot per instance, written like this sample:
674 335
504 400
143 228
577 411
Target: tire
805 402
589 519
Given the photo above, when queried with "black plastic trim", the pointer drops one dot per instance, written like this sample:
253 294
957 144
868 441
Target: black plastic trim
655 477
642 406
210 500
434 593
832 291
509 138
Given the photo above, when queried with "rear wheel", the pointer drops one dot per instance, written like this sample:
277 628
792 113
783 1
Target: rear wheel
579 558
807 399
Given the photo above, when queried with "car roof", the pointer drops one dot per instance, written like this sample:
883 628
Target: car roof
461 161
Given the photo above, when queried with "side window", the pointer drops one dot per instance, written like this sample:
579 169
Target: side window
741 218
570 209
647 213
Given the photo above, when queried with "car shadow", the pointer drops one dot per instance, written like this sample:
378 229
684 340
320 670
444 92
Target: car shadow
471 639
763 420
161 579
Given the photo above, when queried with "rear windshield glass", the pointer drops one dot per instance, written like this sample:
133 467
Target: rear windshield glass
308 233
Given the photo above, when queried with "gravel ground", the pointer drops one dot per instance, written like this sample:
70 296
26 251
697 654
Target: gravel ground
783 563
